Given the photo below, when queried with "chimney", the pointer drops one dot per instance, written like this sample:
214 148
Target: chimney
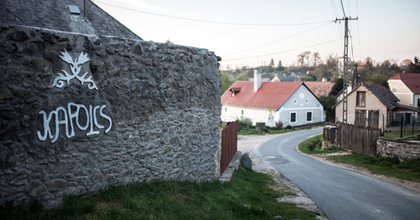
257 80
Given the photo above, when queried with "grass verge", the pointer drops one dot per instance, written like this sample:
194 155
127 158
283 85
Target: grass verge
397 134
314 143
407 170
247 196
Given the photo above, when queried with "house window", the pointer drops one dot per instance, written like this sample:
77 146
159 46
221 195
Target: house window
242 112
292 117
225 109
361 99
307 101
295 101
418 103
308 116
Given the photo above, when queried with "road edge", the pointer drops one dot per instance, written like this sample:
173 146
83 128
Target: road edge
394 180
301 199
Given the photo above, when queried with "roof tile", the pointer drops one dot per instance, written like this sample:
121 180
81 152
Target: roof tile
270 95
411 80
320 88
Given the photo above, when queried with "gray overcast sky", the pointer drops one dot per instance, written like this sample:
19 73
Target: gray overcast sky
386 29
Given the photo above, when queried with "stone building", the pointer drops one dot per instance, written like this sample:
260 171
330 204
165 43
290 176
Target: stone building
81 110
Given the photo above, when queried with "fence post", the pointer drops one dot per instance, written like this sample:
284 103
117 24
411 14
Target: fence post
401 131
412 122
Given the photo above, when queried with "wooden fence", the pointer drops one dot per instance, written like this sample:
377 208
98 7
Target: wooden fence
229 145
358 139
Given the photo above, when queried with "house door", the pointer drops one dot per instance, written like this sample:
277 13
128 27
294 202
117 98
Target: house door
360 119
373 119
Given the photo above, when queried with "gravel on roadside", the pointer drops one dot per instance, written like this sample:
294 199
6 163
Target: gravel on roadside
298 197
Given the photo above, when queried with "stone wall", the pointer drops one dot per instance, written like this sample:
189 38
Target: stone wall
80 112
403 149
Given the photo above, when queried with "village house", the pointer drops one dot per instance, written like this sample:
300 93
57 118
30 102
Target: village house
371 105
320 88
406 86
291 103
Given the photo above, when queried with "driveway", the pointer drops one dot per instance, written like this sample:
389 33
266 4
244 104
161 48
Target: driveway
339 192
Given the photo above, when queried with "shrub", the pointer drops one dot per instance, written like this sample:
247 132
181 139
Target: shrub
244 123
288 127
279 125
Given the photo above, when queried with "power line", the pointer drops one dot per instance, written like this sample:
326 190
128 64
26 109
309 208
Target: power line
351 40
342 6
348 3
277 40
205 21
333 6
285 51
358 33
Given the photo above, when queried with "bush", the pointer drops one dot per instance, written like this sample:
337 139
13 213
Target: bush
244 123
279 125
288 127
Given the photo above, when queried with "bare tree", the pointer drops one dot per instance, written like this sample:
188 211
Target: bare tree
316 59
329 69
303 58
404 64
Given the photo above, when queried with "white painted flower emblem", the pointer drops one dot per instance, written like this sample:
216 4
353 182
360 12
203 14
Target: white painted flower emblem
75 70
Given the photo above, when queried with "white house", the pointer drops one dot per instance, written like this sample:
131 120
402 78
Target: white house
291 103
406 86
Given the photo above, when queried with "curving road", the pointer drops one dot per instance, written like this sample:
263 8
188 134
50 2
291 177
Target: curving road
340 193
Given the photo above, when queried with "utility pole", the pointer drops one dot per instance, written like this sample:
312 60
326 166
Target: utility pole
345 63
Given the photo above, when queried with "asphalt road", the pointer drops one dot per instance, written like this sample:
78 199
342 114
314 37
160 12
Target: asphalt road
340 193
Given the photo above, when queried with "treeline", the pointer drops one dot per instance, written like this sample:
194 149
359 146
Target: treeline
311 67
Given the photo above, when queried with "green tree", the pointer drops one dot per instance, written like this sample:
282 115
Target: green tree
378 79
225 81
337 87
268 69
310 77
169 42
272 62
328 102
280 67
242 77
387 69
414 67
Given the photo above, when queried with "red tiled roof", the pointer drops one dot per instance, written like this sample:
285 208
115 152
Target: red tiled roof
320 88
262 79
270 95
411 80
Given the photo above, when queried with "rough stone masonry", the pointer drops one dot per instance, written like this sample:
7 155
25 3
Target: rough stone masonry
80 112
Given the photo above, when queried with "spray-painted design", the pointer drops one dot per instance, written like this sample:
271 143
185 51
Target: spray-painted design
66 117
75 70
69 117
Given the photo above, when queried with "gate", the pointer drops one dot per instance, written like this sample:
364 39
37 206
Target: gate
229 145
373 119
358 139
